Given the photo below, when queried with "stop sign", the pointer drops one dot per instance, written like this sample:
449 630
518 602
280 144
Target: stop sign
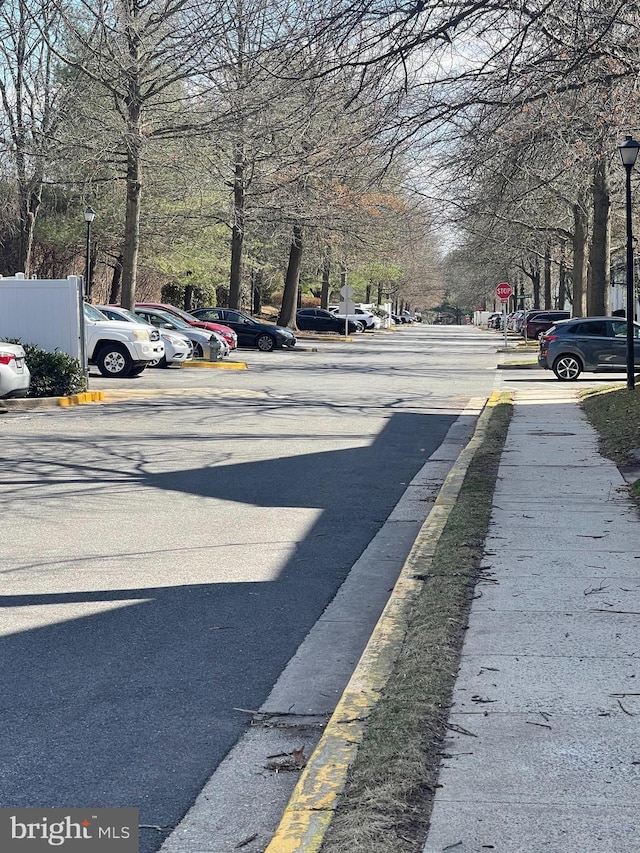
504 290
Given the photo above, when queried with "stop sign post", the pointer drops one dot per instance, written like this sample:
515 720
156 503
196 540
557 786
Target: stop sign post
503 292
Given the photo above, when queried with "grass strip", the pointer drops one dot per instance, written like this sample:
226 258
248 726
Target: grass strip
387 800
614 412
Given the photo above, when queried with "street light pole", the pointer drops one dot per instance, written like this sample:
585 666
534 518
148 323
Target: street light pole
629 153
89 216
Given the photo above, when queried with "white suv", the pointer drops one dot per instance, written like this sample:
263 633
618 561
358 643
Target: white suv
367 319
118 348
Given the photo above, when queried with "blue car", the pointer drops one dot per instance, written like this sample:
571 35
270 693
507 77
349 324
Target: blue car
592 344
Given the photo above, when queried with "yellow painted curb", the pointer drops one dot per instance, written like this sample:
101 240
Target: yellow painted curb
81 398
217 365
310 809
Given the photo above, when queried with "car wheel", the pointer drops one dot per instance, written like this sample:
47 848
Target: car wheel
158 362
114 360
266 343
567 368
198 352
138 369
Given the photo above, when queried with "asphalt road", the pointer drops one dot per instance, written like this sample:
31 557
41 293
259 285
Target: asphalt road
164 557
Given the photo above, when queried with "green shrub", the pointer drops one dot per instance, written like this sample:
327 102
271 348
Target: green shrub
53 374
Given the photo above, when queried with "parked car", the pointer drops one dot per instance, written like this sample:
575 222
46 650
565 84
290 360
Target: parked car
14 372
539 323
366 318
177 347
321 320
251 332
220 329
592 344
205 344
116 347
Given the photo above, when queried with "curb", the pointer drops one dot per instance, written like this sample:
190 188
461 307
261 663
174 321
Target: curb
23 403
314 800
334 339
524 366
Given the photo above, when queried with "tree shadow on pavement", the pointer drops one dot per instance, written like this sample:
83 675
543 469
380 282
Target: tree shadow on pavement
133 705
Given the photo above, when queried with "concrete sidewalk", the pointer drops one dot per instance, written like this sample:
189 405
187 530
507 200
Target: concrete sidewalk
544 748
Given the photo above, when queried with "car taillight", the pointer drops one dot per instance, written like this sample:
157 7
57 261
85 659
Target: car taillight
6 357
547 338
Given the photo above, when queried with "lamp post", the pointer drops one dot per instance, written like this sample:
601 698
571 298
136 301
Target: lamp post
629 153
89 216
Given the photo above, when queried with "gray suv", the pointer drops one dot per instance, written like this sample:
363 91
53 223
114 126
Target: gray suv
587 343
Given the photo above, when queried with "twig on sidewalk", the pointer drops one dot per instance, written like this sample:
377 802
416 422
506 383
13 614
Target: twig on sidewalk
460 730
246 841
595 589
622 612
622 708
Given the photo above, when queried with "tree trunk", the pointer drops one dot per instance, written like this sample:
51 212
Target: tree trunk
257 292
131 230
562 278
535 282
326 283
547 277
30 199
598 292
188 297
116 278
367 297
23 135
579 275
292 277
133 102
237 230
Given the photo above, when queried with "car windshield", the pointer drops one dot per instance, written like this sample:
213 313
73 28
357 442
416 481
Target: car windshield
171 318
92 313
184 315
125 314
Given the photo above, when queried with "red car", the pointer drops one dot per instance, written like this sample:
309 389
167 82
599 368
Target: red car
542 322
228 334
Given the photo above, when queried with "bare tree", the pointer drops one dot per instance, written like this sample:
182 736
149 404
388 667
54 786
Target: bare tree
34 99
141 53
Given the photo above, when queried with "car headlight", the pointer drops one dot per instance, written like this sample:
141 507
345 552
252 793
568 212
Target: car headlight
141 335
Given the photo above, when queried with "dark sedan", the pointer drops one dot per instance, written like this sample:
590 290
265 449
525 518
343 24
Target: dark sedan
251 333
319 320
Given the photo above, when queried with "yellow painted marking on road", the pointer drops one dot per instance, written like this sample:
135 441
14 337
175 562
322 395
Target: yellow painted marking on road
219 365
310 809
